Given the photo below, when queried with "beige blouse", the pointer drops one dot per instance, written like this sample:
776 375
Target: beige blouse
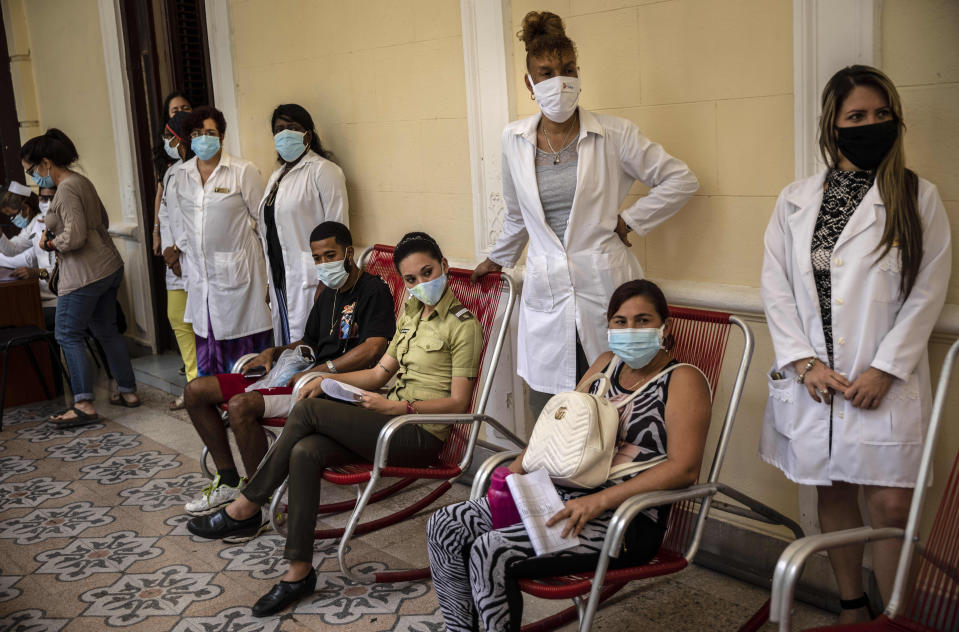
79 223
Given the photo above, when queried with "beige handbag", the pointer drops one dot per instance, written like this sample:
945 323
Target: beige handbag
575 437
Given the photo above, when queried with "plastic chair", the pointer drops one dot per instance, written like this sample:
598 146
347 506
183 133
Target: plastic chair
491 301
926 600
13 337
701 337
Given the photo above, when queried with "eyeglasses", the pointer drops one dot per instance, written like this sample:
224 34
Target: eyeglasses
204 132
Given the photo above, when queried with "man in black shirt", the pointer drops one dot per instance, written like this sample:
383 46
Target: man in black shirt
349 328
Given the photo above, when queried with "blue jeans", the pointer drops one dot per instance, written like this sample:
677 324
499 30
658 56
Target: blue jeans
93 306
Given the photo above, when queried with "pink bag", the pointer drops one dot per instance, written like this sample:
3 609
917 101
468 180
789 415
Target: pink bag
501 506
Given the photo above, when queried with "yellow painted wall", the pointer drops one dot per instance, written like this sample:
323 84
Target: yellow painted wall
383 80
70 86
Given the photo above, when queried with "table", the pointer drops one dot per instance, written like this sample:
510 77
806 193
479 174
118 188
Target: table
19 306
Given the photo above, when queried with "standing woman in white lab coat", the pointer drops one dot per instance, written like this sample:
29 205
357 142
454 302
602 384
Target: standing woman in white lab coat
216 196
857 260
565 173
306 190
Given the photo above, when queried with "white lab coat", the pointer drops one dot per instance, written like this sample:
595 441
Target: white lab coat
227 273
872 327
312 192
24 250
173 282
568 283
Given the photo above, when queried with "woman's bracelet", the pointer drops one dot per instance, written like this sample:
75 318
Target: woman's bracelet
801 378
411 409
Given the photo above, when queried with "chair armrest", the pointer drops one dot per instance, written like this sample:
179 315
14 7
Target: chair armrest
394 425
241 361
304 380
790 565
485 471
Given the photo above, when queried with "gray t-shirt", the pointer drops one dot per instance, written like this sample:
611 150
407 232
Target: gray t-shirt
556 182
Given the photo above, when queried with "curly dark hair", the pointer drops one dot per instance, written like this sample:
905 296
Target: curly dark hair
543 34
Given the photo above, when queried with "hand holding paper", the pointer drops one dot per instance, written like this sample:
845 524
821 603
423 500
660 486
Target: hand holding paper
537 501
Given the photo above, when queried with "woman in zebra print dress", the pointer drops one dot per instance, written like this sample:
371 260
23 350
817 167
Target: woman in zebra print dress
475 567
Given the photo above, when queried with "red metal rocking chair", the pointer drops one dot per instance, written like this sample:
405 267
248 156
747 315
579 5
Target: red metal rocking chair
932 601
701 338
490 300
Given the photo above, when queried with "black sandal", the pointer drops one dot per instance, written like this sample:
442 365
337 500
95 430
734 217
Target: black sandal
857 603
81 419
118 400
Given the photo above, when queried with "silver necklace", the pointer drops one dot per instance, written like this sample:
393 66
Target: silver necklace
562 145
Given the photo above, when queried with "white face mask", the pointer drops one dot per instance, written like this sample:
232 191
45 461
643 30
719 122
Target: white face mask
557 97
44 206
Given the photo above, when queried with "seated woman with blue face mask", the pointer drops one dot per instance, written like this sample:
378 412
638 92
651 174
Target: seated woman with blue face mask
434 356
475 567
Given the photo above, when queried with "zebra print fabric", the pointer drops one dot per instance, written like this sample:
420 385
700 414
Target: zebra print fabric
475 567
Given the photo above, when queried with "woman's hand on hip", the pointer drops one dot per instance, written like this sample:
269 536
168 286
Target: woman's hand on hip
379 404
622 230
579 511
869 389
821 381
483 269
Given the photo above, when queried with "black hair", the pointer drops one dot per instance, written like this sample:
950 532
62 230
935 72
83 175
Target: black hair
339 232
648 290
177 125
54 145
160 158
198 115
298 114
415 242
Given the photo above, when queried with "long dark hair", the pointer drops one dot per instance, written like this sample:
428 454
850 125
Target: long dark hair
898 186
54 145
298 114
648 290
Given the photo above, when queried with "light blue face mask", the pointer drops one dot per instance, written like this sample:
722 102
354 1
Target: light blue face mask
170 150
289 144
636 347
20 221
332 274
430 292
44 182
205 147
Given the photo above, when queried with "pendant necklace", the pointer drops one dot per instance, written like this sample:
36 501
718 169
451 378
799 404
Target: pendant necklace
562 145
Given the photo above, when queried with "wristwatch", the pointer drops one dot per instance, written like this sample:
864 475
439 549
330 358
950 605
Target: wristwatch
330 367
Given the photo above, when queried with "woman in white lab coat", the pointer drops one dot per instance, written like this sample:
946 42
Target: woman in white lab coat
23 253
306 190
857 260
216 196
565 173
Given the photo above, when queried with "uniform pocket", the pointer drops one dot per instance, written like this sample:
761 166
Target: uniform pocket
782 403
897 420
428 344
309 270
232 270
889 274
537 293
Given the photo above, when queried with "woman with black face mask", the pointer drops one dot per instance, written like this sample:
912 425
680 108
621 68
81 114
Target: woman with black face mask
857 261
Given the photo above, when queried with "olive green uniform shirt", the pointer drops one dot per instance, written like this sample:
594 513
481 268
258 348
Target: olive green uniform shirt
432 352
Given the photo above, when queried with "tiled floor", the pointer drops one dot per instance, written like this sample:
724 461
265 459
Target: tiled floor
92 537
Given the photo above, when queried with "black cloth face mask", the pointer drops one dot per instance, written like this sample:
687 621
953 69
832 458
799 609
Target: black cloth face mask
866 145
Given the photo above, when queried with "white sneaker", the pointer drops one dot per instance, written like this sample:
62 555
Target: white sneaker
214 496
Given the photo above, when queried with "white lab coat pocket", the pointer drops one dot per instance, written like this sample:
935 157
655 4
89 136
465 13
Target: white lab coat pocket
537 293
232 270
309 270
888 276
895 421
782 403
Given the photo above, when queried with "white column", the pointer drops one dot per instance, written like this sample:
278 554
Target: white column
218 32
130 232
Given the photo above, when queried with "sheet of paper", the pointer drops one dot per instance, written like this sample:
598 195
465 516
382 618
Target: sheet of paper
342 391
537 501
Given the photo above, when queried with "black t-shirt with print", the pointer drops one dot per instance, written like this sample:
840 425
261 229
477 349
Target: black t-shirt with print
340 321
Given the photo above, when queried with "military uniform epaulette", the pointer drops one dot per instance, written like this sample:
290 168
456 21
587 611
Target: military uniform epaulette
462 313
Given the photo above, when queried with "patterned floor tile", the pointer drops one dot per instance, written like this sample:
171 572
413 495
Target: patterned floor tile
14 464
262 557
163 493
235 619
44 432
38 411
121 468
429 622
7 590
85 556
31 620
62 522
82 448
135 597
32 493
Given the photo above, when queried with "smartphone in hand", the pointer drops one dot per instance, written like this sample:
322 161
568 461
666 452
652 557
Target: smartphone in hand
255 371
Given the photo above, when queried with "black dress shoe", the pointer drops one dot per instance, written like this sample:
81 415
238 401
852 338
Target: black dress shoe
220 525
284 594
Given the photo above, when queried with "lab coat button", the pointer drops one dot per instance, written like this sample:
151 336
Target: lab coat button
838 262
840 415
841 341
838 300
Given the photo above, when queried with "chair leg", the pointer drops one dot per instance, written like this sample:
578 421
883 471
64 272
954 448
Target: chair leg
3 385
351 527
36 369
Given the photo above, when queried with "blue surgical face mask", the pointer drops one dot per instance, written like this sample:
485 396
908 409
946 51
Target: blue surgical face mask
332 274
170 150
205 147
636 347
43 182
430 292
20 221
289 144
